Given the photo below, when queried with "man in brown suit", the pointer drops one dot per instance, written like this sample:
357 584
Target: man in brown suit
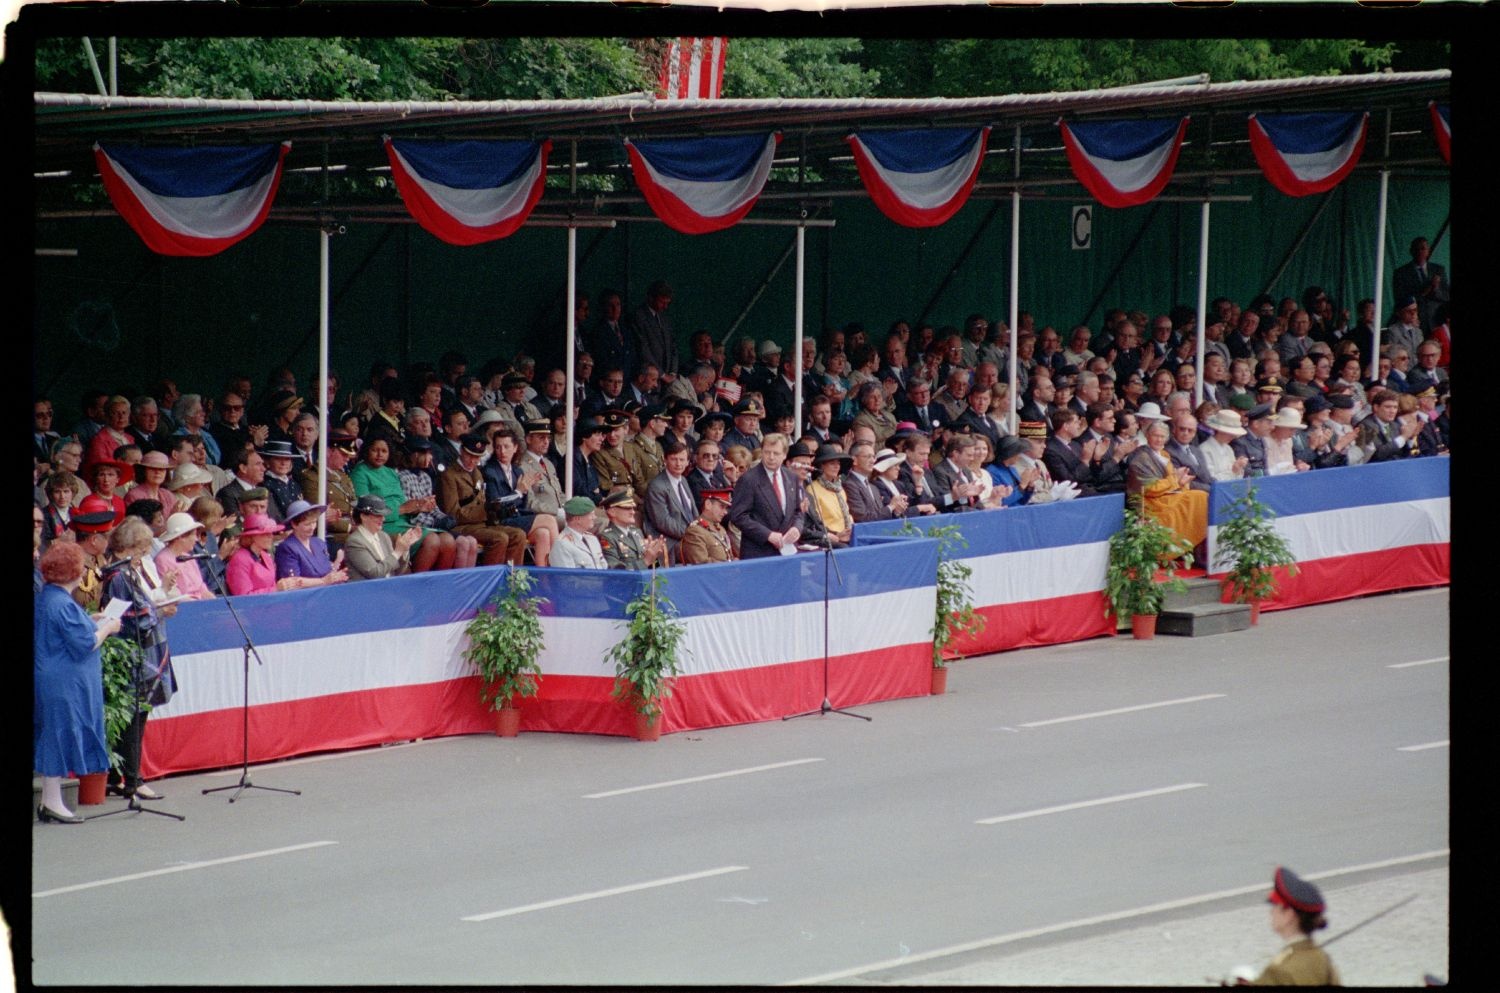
706 539
461 495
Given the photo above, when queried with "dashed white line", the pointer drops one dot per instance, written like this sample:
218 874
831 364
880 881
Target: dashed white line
181 868
1123 710
599 894
1122 915
1424 747
1408 665
699 779
1121 798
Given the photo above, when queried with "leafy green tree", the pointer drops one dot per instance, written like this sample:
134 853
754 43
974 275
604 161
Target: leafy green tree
797 67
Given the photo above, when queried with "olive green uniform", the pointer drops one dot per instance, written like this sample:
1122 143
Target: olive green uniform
624 547
341 496
1301 963
613 470
644 457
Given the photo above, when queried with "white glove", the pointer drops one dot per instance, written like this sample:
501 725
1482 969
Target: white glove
1064 489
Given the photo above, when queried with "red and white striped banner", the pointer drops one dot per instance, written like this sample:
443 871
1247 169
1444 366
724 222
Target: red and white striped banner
693 69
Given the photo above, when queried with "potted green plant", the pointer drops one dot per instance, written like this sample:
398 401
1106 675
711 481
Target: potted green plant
1141 547
1250 546
645 658
505 642
955 615
119 658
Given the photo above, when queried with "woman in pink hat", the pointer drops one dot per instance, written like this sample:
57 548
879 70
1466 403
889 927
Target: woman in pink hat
153 484
252 569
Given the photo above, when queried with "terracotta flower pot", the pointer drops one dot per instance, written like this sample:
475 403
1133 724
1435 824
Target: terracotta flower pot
647 728
1143 626
91 788
1254 612
507 722
939 680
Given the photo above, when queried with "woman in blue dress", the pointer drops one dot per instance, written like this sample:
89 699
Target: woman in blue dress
143 623
67 729
302 557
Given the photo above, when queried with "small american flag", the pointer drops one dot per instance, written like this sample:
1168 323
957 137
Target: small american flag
728 389
693 69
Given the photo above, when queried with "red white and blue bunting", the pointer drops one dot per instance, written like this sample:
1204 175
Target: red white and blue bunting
469 192
920 178
191 201
1302 154
1124 163
1442 129
698 185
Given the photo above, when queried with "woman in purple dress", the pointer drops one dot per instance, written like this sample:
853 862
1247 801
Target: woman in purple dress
302 559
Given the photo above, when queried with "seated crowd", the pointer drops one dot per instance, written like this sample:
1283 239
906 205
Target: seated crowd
441 468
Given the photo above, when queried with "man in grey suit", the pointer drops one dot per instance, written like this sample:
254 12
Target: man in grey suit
655 341
1183 449
867 500
670 505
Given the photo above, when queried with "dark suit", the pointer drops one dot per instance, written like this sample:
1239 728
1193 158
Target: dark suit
1406 281
612 347
1064 462
757 513
924 416
779 399
1188 455
906 482
866 501
942 477
1254 450
981 424
1108 475
697 483
667 513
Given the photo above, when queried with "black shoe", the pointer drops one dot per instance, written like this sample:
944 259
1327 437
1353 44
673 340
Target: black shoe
116 789
45 814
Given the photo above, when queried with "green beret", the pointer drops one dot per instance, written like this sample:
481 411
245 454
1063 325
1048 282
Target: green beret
579 506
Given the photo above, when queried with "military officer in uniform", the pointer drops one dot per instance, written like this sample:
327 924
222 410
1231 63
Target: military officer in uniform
746 430
341 496
625 545
461 495
576 547
545 496
1296 912
91 524
707 540
513 387
609 461
643 453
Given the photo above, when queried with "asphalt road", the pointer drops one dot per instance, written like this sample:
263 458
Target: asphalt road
1055 797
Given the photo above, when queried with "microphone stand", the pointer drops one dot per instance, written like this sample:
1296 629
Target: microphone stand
826 707
131 803
248 650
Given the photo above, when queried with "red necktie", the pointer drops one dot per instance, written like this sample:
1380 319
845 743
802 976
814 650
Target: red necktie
776 485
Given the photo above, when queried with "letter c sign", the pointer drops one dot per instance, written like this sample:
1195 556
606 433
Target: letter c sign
1083 227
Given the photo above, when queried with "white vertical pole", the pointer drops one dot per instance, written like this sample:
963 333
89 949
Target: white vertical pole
572 314
1015 282
1385 182
1202 296
797 332
323 238
1385 186
1015 305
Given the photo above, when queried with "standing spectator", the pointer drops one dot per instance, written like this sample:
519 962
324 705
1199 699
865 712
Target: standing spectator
767 503
67 729
42 435
230 432
608 340
1423 280
651 328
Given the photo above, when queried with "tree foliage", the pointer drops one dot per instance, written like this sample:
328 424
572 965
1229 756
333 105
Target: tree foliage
797 67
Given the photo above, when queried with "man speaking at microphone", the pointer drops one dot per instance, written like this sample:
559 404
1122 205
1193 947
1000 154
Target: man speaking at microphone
767 503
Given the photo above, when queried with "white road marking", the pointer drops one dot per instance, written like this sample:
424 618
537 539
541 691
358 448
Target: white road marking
329 757
1121 915
1408 665
1090 803
698 779
181 867
1419 748
598 894
1123 710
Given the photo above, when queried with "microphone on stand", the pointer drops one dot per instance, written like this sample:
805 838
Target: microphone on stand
196 555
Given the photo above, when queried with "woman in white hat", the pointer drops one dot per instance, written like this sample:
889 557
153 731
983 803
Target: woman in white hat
1280 458
183 531
1222 462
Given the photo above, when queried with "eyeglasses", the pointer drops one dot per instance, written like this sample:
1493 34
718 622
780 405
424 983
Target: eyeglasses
233 406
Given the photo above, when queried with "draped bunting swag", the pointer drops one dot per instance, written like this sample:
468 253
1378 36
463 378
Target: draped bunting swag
469 192
1124 163
1442 129
698 185
1303 154
919 178
192 201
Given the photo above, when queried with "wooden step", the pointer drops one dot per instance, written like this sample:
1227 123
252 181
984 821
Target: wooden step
1197 620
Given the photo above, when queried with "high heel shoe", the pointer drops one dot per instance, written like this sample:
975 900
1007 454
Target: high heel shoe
46 814
144 792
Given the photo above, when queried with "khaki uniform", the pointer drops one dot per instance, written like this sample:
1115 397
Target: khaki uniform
644 458
624 548
546 495
614 471
92 584
341 496
1301 963
703 542
461 495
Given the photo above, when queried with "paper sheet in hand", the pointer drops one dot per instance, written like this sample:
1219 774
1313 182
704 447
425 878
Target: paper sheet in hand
115 609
